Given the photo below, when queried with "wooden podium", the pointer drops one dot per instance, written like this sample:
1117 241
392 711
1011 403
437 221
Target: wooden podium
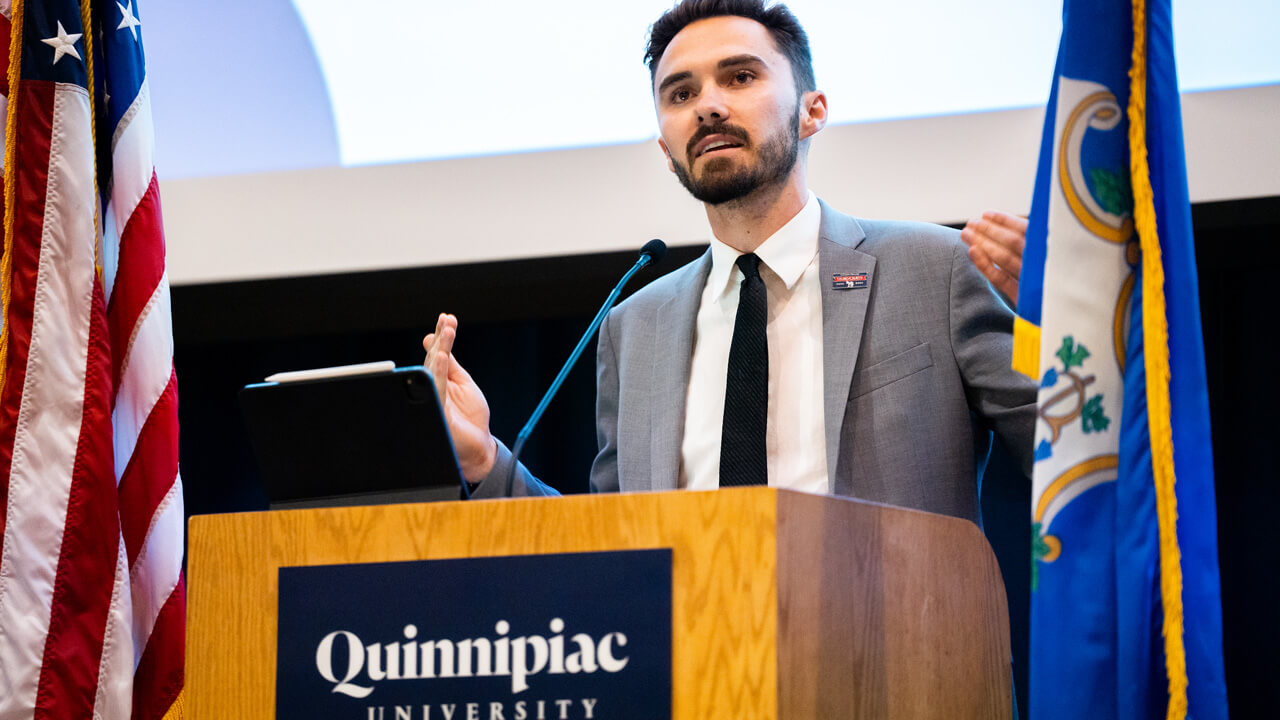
785 605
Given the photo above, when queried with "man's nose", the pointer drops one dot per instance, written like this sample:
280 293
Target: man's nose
711 106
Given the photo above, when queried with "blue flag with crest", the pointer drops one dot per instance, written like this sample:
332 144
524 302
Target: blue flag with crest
1125 607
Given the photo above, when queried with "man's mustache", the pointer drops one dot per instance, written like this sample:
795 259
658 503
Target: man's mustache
708 130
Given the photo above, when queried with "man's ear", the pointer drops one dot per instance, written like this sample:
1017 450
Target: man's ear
813 113
670 163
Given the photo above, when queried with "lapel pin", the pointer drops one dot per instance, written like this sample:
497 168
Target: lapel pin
855 281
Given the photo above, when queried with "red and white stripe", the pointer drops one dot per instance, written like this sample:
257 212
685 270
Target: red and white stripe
92 598
145 420
61 537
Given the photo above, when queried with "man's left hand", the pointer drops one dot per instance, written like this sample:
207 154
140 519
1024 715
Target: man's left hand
995 243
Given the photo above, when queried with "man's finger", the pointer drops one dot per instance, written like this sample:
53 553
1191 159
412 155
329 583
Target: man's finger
1001 278
1001 235
1002 243
982 260
437 365
444 340
1013 222
430 339
1008 258
439 347
1005 235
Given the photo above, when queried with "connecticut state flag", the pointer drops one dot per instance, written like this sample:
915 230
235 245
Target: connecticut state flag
1125 607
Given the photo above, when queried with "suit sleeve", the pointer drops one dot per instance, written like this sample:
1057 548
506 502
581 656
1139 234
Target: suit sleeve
604 471
982 342
524 484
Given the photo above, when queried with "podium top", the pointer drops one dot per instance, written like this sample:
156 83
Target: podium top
784 604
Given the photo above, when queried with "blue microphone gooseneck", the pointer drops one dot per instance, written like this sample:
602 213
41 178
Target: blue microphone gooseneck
652 252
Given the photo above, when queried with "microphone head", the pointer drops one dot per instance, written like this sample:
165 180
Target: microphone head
655 250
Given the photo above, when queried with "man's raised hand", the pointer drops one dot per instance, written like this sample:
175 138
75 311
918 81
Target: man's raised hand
465 409
995 243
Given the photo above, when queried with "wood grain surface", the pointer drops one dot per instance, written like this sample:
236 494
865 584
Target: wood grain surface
888 613
724 624
785 605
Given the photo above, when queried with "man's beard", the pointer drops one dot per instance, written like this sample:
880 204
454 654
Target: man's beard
777 157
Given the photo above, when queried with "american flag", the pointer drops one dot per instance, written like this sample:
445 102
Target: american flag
92 598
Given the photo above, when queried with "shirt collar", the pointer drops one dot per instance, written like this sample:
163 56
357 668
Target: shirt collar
787 252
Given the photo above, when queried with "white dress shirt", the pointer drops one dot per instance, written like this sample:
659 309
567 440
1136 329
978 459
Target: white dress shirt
795 436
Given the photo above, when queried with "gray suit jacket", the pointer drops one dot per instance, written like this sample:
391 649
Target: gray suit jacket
916 371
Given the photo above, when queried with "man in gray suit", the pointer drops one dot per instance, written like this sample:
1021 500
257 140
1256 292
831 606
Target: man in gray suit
867 359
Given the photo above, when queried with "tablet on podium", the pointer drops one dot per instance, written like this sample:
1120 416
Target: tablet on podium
351 435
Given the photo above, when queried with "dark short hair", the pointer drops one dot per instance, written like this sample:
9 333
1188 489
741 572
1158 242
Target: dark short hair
777 19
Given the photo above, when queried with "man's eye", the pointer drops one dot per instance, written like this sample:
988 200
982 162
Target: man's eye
743 77
680 96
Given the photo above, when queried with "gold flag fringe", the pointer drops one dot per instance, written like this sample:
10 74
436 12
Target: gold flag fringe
1155 334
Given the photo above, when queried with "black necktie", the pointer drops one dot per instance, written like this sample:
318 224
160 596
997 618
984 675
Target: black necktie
746 395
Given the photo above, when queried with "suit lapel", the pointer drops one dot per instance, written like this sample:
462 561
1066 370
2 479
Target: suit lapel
674 319
843 312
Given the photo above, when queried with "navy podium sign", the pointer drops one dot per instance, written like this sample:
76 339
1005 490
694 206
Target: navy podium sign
531 637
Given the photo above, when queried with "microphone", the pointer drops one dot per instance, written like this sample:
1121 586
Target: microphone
652 252
655 250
